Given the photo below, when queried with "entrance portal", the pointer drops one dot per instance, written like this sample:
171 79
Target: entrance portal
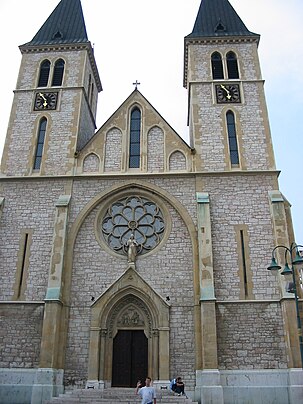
130 353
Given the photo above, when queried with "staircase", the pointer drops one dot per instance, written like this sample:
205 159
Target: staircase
114 396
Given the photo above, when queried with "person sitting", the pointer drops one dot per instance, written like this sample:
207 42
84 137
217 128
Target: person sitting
177 386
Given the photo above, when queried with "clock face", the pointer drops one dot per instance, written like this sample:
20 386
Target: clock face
228 93
46 101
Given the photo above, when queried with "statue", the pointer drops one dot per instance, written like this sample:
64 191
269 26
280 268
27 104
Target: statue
131 248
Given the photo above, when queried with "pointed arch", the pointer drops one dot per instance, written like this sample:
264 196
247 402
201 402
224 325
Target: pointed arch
129 294
232 65
91 163
232 138
113 150
135 138
58 72
40 143
155 149
217 66
44 73
177 161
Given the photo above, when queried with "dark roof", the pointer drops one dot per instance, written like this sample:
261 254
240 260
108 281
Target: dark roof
65 25
218 18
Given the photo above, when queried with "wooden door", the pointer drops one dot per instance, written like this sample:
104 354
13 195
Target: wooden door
130 352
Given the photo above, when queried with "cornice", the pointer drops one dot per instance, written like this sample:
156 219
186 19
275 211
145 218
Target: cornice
140 175
25 49
211 41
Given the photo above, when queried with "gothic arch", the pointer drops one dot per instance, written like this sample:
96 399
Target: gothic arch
104 305
177 161
129 303
113 150
109 193
114 190
91 163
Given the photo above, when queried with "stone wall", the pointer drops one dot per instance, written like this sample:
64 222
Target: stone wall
20 335
208 119
155 150
168 270
61 136
250 336
29 207
236 200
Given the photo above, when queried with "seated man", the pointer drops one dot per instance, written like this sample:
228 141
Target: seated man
177 386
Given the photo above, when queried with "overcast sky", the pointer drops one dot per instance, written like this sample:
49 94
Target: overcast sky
143 40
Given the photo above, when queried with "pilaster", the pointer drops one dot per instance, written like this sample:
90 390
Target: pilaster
50 346
281 237
206 279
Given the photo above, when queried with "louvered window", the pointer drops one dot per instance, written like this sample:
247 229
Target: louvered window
44 73
40 144
58 73
232 66
232 138
134 144
217 66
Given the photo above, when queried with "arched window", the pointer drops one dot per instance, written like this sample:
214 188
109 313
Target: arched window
40 143
44 73
134 142
232 138
88 87
232 66
91 94
217 66
58 73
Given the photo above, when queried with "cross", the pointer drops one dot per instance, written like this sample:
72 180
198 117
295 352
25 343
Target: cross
136 84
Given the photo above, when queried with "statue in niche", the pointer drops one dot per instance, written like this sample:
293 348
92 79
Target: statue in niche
131 248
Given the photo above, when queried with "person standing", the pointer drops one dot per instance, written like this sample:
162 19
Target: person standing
147 393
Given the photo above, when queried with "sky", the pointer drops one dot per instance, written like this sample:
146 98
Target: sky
144 40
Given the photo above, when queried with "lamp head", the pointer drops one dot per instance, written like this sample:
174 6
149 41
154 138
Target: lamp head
286 270
298 259
273 264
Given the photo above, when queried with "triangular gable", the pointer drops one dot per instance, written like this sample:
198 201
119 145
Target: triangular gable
129 283
120 118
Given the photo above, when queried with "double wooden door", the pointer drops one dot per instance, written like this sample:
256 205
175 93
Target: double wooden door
130 358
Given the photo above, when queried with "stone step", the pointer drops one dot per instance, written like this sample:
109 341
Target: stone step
114 396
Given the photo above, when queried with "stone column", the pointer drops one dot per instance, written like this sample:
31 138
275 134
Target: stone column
51 355
208 386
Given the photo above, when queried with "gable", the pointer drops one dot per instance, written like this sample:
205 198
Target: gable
152 140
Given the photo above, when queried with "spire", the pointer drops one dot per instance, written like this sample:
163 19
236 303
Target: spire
217 18
65 25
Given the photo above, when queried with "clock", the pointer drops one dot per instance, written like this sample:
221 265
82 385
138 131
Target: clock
228 93
45 100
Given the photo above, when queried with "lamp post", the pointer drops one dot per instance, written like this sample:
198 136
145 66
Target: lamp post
291 271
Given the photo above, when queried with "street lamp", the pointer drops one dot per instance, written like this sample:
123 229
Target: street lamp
291 271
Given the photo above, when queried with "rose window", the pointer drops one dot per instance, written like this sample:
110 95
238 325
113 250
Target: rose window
133 215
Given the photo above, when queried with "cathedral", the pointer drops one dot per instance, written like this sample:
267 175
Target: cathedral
126 251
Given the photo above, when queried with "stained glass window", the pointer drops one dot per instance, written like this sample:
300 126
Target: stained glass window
133 215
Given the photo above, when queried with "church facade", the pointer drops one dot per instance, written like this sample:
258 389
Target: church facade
127 252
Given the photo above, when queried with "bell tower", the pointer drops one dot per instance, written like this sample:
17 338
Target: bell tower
55 100
228 119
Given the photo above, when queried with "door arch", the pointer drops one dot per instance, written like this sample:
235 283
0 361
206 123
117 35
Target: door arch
130 304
